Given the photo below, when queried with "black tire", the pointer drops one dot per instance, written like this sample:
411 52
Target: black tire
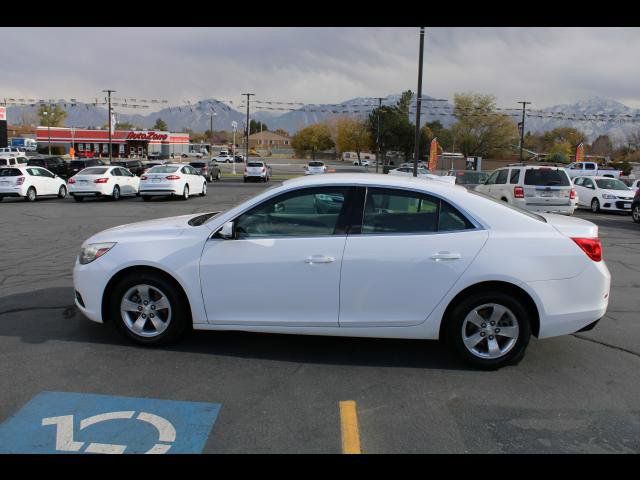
62 192
77 198
635 213
31 195
204 189
595 205
115 195
218 177
180 318
209 179
453 333
185 193
146 198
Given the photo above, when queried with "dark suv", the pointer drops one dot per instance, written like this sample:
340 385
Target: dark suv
209 170
76 165
635 207
134 166
55 165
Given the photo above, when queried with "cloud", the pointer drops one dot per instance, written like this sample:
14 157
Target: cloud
321 65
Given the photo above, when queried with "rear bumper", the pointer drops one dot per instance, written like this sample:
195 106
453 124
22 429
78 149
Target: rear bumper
158 192
19 191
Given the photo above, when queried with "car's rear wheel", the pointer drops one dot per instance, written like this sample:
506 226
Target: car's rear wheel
116 193
62 192
149 309
185 193
204 189
218 177
31 195
635 214
595 205
489 329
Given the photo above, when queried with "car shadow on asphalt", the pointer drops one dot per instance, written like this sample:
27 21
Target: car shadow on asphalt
49 315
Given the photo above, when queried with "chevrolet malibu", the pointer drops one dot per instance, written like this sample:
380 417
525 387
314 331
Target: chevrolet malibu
353 255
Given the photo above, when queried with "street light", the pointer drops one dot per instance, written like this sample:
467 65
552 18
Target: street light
234 125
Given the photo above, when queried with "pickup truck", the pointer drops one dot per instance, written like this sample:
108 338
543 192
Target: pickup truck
584 169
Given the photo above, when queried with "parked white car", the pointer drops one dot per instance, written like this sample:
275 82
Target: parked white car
103 181
11 160
603 193
312 252
422 173
591 169
223 157
30 183
314 168
174 179
533 187
257 170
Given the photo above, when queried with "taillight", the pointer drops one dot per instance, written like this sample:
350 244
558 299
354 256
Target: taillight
19 180
101 180
71 180
518 192
591 246
144 177
572 194
172 177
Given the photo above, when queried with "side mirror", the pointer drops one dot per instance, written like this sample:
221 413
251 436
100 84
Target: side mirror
226 231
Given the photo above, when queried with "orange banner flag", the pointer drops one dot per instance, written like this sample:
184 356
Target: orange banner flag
433 154
580 153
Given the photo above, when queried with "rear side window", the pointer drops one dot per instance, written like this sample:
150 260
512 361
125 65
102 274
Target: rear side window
546 177
502 177
589 166
10 172
515 176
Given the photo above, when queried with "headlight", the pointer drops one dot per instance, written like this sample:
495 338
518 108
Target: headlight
92 251
608 196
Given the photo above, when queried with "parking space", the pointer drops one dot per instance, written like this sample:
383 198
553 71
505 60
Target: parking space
263 393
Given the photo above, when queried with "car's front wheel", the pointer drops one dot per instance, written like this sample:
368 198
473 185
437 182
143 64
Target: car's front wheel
62 192
595 205
489 329
635 214
149 309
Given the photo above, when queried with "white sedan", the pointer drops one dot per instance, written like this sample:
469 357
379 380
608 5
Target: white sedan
30 183
174 179
340 255
603 193
103 181
314 168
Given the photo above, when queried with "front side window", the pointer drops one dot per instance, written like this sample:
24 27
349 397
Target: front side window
309 212
502 177
492 179
590 166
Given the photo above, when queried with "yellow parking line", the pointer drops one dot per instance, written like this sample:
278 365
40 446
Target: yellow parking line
349 427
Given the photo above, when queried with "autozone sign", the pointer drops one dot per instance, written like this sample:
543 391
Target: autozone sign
3 113
146 136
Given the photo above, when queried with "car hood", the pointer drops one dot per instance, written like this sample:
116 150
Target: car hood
149 229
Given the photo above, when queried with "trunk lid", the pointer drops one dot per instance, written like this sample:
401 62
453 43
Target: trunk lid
571 227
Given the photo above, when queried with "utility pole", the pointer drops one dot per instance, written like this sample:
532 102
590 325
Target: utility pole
418 106
246 147
524 106
109 92
234 125
378 137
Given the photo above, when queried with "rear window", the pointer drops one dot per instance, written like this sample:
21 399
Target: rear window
197 164
77 163
163 169
255 164
546 177
10 172
36 161
316 164
93 171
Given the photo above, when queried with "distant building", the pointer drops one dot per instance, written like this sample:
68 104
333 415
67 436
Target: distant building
269 141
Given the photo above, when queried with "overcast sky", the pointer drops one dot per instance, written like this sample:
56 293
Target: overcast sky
546 66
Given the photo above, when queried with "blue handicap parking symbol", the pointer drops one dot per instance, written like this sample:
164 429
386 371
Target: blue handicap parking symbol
58 422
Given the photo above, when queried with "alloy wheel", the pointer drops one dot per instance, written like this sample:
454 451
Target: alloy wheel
145 310
636 214
490 331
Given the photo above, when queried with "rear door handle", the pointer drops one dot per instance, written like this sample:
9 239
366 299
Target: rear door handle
319 259
445 256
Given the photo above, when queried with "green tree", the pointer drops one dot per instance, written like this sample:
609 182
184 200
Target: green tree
352 135
570 135
479 130
256 126
160 125
396 130
314 138
560 152
51 115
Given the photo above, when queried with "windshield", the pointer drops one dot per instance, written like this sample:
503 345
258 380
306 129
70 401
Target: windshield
163 169
512 207
611 184
546 177
92 171
197 164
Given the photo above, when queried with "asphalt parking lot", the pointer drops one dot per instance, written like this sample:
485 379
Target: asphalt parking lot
282 394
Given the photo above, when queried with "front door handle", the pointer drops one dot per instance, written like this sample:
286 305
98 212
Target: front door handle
319 259
445 256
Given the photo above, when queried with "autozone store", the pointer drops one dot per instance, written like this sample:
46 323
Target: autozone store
125 143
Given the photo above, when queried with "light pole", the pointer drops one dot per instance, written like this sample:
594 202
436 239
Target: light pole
524 107
416 148
73 143
234 125
109 92
46 114
246 147
211 115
